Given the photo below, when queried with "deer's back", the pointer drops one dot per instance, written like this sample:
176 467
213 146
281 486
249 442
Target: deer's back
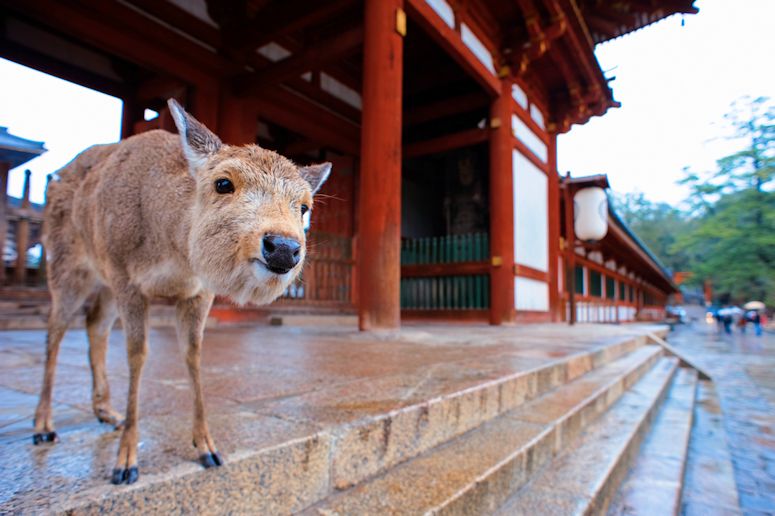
121 207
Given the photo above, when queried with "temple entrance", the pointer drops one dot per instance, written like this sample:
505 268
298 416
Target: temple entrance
445 218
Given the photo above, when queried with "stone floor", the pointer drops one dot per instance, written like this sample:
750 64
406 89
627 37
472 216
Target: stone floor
264 386
743 369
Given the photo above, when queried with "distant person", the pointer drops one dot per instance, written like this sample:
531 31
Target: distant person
726 320
742 322
755 317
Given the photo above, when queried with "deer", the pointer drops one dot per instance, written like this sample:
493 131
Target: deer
185 217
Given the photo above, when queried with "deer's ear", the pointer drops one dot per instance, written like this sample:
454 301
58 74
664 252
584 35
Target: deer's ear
315 175
199 143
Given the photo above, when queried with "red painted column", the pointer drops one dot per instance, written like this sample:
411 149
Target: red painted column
501 209
379 200
238 120
554 230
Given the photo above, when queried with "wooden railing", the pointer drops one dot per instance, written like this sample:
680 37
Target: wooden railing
445 273
327 275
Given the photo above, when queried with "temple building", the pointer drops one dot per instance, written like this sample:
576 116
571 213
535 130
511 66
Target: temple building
441 119
20 219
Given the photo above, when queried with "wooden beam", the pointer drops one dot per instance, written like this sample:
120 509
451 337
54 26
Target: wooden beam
52 66
445 269
115 29
182 20
284 17
526 152
307 118
314 56
528 121
446 107
446 143
523 271
453 44
329 101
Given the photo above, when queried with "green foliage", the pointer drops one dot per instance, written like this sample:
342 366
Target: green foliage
727 234
658 225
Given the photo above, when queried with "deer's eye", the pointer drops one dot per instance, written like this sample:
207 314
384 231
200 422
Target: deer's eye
304 209
224 186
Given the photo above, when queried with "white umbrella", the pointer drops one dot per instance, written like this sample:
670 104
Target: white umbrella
754 305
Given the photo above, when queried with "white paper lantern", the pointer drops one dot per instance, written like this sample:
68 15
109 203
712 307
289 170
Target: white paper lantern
590 214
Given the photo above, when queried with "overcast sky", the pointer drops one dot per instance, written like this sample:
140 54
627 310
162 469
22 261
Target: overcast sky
674 82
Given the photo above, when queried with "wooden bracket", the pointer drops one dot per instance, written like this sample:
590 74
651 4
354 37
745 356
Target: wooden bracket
401 22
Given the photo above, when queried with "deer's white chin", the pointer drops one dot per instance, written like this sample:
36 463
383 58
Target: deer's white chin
252 283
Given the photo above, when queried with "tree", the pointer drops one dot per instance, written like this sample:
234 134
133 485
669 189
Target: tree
658 225
732 238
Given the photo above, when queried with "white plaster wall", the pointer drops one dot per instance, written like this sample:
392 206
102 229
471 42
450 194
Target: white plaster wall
529 138
530 294
531 214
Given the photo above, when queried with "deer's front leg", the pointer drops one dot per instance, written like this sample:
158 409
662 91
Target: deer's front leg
133 307
191 318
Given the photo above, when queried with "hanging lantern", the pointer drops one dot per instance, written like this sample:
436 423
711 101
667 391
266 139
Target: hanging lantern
590 214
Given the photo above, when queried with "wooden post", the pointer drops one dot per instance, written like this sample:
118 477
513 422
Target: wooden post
205 103
131 113
23 233
555 307
379 202
502 306
4 168
570 250
238 120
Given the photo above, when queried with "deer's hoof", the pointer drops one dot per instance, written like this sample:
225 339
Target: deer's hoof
210 460
45 437
125 476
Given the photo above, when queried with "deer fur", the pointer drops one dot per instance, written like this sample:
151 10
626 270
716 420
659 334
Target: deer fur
141 218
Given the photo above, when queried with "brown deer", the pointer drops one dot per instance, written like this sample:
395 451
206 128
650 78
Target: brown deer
160 215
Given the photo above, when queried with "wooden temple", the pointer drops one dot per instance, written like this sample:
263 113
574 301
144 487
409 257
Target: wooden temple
440 116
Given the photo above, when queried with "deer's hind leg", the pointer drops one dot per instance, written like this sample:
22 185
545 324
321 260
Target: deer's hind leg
68 294
99 321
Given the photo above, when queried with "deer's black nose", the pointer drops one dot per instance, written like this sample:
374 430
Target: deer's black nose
281 253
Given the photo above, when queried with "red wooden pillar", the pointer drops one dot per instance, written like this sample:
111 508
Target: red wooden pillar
238 120
205 101
570 251
554 230
501 209
379 202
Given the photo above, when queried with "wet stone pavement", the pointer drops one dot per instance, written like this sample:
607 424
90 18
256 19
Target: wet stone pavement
743 369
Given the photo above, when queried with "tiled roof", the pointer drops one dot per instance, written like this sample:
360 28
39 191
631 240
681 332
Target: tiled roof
17 150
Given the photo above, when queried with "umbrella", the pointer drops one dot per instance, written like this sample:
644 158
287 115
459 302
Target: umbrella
754 305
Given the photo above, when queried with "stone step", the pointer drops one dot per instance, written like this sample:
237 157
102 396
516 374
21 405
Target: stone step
656 480
286 452
583 479
477 471
709 485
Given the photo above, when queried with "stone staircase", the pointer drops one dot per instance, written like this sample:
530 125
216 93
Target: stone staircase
620 428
